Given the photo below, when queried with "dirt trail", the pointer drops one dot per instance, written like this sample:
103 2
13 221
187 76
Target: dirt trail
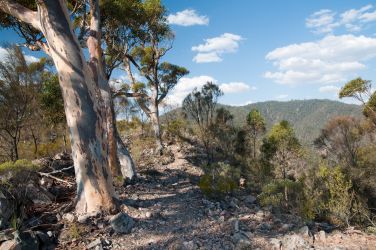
172 213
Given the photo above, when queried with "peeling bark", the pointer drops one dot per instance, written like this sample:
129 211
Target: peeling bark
83 106
154 119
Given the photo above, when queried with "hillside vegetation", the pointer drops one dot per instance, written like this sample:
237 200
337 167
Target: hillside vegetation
308 117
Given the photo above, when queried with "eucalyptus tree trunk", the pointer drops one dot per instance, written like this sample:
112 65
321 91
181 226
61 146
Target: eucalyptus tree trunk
84 110
154 119
87 99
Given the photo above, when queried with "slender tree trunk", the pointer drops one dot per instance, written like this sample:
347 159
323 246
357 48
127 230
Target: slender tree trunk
35 141
154 119
65 142
254 147
15 149
83 108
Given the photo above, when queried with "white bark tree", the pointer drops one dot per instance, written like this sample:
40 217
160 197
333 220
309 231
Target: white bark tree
86 94
138 44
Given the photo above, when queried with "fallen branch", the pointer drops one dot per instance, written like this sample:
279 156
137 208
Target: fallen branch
48 175
61 170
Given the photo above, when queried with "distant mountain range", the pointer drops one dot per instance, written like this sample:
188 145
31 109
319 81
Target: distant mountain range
308 117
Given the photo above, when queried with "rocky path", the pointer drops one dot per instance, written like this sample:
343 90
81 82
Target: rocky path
171 213
165 209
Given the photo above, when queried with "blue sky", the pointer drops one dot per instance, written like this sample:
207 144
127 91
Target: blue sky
268 50
336 44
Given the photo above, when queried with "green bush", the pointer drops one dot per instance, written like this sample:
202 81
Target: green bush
17 166
219 179
175 128
273 194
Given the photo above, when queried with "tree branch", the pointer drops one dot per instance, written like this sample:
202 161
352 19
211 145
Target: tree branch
94 39
138 67
20 12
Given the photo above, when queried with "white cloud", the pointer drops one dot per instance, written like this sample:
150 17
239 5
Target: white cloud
329 89
207 57
282 96
322 21
332 59
241 104
234 87
3 54
31 59
187 17
353 20
28 58
187 84
368 17
214 48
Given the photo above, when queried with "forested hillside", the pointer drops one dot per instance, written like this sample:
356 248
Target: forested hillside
307 116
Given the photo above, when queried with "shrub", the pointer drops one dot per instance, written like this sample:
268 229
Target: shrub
273 194
339 196
219 179
17 166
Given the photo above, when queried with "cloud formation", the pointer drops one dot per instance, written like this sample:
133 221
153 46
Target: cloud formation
332 59
28 58
329 89
188 17
353 20
187 84
235 87
213 48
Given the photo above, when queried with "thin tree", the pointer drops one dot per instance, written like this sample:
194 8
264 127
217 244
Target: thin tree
256 125
201 107
284 148
18 94
139 44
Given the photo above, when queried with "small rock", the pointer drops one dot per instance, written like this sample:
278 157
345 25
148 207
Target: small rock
69 217
236 225
264 227
10 245
28 240
42 237
286 227
250 199
50 234
304 231
6 235
189 245
122 223
95 243
221 218
38 195
148 214
295 242
241 239
83 218
260 214
321 236
276 244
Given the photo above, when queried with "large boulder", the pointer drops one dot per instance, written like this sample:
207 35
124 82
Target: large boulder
122 223
7 207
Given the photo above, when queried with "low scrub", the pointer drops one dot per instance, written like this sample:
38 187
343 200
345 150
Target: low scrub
219 179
